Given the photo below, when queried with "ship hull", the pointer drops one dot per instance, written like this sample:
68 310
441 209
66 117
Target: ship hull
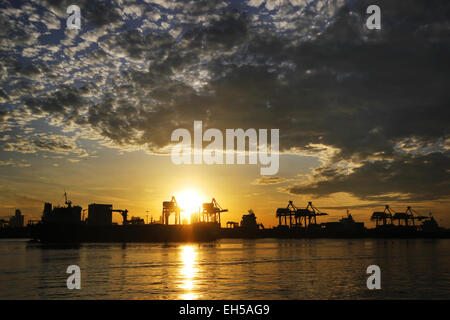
54 233
15 233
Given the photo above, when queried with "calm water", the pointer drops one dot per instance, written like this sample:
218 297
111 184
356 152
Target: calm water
228 269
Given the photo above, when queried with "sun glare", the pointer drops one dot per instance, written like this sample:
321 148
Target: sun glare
190 201
188 271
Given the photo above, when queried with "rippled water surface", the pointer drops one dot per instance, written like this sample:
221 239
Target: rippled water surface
228 269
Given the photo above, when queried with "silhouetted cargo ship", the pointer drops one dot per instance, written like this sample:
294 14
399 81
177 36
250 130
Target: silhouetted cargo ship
65 225
54 233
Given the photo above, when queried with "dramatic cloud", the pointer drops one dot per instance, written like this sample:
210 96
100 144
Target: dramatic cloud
268 180
371 104
407 178
14 164
45 142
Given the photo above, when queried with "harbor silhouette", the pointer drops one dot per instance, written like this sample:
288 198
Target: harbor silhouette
68 224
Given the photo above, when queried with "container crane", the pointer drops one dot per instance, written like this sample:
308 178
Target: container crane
385 216
409 214
310 213
211 211
124 214
289 211
170 207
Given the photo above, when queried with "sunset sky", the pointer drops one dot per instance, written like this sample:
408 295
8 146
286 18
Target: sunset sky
363 114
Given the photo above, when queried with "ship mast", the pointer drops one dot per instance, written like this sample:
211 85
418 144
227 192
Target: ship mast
68 202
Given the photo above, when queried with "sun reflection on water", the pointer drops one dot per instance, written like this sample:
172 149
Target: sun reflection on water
188 271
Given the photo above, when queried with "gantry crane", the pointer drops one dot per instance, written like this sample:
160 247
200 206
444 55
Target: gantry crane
299 217
211 211
408 215
310 213
170 207
289 211
124 214
385 216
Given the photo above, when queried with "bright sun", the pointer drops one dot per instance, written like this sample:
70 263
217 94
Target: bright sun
190 201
